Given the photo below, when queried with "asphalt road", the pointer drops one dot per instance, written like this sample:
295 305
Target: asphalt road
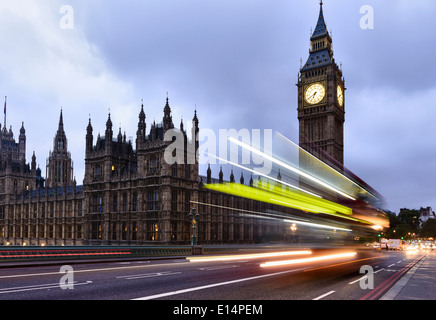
364 276
198 287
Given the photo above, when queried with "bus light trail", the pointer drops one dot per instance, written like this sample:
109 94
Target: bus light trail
289 198
316 225
289 167
248 256
314 259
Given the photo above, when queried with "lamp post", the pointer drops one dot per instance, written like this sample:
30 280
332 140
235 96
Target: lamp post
194 217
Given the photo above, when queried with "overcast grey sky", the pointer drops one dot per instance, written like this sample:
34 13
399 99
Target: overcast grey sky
237 61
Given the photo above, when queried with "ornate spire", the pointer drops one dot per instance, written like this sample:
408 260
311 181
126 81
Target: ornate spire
89 127
89 136
321 27
209 174
22 130
61 120
167 119
321 52
120 136
109 132
140 133
195 121
142 113
60 141
109 122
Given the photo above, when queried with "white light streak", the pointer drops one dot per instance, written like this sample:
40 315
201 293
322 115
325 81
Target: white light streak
316 225
325 164
291 168
248 256
295 261
264 175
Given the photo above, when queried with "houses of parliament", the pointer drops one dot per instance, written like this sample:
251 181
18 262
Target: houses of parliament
131 196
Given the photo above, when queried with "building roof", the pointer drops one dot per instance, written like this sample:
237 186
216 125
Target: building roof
318 59
321 27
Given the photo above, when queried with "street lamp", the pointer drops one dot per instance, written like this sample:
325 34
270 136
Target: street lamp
293 229
194 217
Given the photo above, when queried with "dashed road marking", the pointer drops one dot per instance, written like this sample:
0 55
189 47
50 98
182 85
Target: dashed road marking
148 275
324 295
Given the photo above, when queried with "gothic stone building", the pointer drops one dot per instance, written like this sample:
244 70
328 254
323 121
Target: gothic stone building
129 196
34 210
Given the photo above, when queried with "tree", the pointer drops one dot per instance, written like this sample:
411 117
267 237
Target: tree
403 225
429 228
410 218
394 221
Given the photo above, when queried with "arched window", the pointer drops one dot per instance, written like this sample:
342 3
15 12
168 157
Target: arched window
153 164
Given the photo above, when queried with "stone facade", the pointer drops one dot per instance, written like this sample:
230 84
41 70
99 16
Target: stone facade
129 196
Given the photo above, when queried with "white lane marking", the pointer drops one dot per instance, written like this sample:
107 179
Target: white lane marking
148 275
87 270
172 293
399 261
361 278
324 295
33 286
364 277
391 265
379 270
38 287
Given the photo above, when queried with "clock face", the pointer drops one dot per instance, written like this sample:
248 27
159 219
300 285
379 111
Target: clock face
314 93
340 96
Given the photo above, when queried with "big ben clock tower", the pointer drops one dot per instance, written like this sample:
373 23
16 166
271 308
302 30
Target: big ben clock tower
321 102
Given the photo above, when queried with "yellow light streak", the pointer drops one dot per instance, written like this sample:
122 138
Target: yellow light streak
249 256
264 175
289 198
295 261
324 164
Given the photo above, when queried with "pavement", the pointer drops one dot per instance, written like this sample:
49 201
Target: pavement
419 283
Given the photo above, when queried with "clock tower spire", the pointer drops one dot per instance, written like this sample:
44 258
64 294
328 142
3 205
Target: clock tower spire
321 108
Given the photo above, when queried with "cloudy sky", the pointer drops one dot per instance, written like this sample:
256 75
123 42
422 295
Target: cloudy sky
237 63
